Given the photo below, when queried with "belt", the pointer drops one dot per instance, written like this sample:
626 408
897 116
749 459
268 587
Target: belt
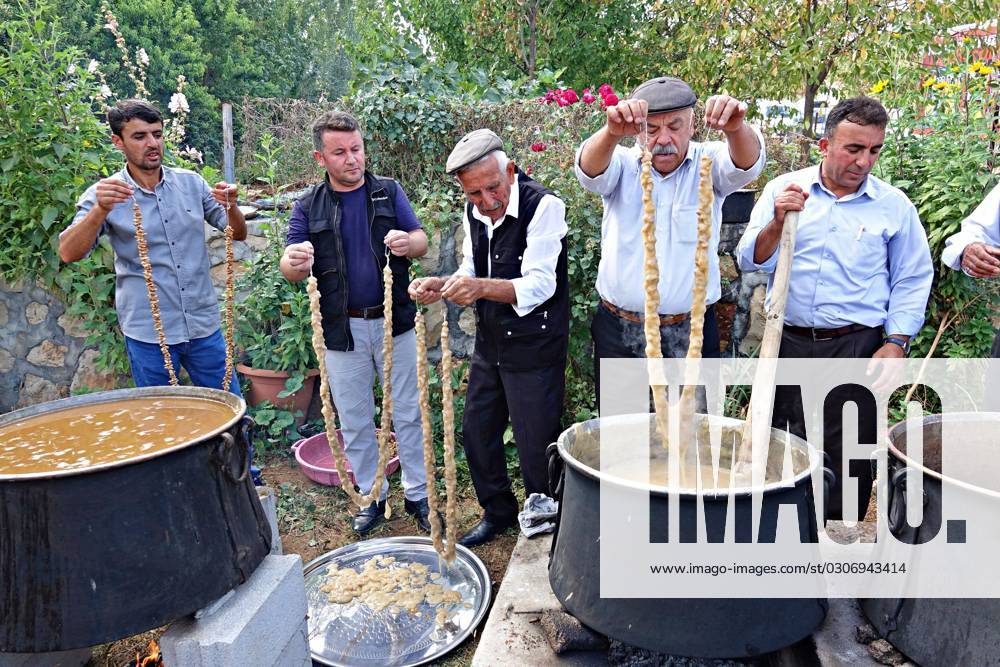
825 334
628 315
371 313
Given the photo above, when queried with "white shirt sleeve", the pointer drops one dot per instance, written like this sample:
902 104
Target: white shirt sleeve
468 266
982 226
605 183
546 231
727 178
760 217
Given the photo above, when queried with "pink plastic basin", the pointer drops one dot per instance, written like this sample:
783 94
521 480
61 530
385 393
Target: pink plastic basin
316 459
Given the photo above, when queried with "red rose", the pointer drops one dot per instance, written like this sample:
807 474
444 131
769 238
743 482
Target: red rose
609 100
570 96
605 90
588 98
538 146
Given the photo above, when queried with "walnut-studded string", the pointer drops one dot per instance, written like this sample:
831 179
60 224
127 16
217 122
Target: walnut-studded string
450 473
230 298
427 429
154 302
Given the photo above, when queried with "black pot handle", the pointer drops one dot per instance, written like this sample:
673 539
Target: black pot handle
556 470
226 442
897 500
829 479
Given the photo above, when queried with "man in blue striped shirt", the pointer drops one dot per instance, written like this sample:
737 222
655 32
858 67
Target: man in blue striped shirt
861 272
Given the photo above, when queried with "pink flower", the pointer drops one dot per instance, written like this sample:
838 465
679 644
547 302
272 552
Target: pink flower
527 170
571 96
550 97
609 100
605 90
588 98
538 146
562 101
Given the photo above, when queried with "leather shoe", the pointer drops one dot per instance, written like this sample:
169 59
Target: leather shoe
369 517
485 530
420 511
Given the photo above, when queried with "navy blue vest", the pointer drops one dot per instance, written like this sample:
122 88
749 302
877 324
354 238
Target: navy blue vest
503 338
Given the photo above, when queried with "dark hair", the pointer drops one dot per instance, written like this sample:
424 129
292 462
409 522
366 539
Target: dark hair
125 110
857 110
333 121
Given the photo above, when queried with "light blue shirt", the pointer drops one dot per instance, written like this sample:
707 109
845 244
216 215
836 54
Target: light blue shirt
174 214
859 259
982 226
620 272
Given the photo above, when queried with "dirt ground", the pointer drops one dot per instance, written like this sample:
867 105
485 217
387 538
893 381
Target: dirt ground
314 519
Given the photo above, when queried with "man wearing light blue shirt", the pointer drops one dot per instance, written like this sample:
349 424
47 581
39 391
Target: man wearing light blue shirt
663 108
861 273
976 248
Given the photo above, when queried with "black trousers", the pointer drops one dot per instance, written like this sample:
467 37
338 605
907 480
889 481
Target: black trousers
788 411
532 401
617 338
996 346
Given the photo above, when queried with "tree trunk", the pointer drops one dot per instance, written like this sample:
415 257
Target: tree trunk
808 107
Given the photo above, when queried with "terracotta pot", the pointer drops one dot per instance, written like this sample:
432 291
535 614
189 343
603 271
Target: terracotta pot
265 385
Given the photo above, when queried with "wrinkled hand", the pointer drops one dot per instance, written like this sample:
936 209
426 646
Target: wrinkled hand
300 256
398 242
225 194
111 192
625 119
887 364
792 198
462 290
725 113
981 261
426 290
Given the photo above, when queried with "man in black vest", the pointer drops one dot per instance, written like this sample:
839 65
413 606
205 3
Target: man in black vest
343 231
514 271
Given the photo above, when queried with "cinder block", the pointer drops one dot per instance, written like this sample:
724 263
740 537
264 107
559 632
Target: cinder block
75 658
253 628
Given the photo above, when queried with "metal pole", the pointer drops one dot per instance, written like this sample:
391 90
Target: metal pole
228 151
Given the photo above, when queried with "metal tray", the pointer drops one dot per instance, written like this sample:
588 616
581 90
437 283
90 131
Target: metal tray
351 635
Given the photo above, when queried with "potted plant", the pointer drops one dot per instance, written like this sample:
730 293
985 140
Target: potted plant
273 329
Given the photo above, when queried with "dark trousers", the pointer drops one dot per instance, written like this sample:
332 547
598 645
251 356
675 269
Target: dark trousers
788 411
532 401
996 346
618 338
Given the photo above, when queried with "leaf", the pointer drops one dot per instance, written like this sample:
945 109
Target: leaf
49 216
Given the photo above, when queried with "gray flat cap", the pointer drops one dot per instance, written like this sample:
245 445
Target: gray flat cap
665 93
473 146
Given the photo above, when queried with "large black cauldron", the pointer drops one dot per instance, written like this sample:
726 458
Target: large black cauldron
93 556
700 627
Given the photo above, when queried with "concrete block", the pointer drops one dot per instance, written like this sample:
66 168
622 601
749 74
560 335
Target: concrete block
255 627
75 658
296 652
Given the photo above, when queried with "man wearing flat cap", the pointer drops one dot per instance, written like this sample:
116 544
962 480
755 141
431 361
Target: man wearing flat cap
514 271
662 110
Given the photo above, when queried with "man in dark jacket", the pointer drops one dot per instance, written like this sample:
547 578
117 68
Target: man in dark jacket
343 231
514 271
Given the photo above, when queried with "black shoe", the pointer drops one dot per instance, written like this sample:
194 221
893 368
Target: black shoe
369 517
485 530
419 510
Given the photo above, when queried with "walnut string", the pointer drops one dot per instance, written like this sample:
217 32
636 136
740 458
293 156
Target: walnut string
385 432
154 302
428 432
230 299
696 339
651 281
448 417
329 416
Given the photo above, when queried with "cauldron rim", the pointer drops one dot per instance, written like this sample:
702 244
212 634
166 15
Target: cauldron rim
218 395
899 428
662 490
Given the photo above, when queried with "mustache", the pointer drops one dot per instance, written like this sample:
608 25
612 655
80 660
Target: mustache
485 210
664 149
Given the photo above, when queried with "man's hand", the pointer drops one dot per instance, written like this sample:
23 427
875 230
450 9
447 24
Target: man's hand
462 290
792 198
981 261
426 290
300 256
111 192
625 119
725 113
225 194
889 370
398 242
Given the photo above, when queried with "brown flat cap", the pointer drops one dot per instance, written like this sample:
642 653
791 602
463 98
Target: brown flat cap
472 146
665 93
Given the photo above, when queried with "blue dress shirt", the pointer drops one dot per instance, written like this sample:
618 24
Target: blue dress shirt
859 259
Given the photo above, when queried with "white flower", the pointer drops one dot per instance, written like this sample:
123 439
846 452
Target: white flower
105 91
92 66
178 103
71 70
111 25
192 153
142 57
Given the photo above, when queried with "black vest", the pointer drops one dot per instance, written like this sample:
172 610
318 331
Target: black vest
503 338
322 208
